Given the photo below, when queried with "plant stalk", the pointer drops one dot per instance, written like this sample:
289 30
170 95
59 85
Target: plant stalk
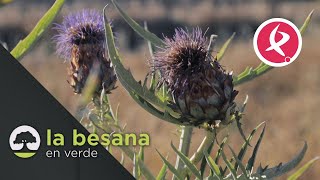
184 145
198 155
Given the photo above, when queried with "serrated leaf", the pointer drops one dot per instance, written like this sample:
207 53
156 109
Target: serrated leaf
187 162
300 171
137 28
224 48
255 152
171 167
238 118
213 166
151 109
204 163
162 173
263 68
240 164
284 168
153 82
218 154
128 81
229 165
27 43
245 145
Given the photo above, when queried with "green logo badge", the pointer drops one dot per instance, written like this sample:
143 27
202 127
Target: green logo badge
24 141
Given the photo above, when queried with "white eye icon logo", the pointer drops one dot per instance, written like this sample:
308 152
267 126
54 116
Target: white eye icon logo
277 45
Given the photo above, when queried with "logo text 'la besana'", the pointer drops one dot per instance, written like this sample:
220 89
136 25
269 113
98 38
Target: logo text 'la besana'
114 139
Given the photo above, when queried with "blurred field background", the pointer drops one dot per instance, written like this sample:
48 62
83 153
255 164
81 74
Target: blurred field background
286 98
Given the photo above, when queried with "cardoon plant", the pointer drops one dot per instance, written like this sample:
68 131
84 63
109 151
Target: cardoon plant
189 87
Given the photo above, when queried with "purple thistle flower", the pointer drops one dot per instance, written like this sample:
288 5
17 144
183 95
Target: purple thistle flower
81 40
84 27
185 53
202 90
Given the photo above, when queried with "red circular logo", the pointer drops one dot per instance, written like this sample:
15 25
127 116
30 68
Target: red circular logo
277 42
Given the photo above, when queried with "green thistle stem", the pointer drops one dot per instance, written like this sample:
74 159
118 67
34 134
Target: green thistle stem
198 155
184 145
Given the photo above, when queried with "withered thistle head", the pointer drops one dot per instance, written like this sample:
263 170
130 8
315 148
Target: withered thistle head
201 88
81 41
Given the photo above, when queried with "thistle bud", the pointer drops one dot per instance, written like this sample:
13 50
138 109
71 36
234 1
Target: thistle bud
201 89
81 42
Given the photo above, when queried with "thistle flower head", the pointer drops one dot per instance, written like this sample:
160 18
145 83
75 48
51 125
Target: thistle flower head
201 88
81 40
84 27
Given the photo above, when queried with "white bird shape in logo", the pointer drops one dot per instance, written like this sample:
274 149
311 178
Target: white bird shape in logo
276 45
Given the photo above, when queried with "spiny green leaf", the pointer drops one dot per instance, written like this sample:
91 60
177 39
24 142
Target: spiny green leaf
238 118
187 162
141 153
214 167
122 159
204 161
144 171
244 147
171 167
306 22
263 68
216 159
128 81
162 172
284 168
229 165
26 44
246 71
151 109
243 169
136 173
140 30
244 104
139 167
224 47
300 171
255 151
153 82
